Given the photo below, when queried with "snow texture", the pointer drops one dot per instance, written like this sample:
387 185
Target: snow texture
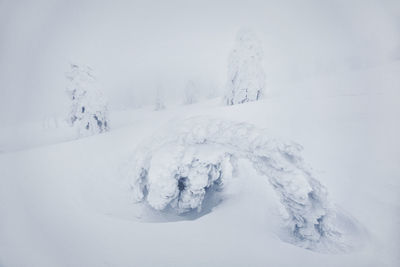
177 169
89 112
246 78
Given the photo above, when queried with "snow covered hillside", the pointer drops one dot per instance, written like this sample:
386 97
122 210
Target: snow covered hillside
86 202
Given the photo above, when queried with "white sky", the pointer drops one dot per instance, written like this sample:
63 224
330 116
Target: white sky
135 45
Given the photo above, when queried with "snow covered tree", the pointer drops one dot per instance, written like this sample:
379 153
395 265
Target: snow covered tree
187 162
246 78
213 89
159 101
190 93
89 108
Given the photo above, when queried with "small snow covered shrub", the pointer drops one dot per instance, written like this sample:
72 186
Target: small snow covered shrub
175 170
246 78
88 111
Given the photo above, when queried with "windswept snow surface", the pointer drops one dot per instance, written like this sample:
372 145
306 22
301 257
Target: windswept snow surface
70 204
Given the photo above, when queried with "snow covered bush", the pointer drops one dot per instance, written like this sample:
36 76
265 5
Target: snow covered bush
246 78
89 108
175 170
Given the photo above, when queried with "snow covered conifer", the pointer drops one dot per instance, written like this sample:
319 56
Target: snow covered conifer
190 93
159 101
246 78
89 108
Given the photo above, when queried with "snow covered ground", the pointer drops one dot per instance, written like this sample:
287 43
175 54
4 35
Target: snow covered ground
67 202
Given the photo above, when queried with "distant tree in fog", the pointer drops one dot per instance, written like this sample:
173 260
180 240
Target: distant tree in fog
190 93
88 111
159 99
213 89
246 77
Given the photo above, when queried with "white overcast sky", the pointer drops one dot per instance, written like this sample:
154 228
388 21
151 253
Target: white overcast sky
135 45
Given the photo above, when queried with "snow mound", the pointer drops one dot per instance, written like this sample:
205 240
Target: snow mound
177 168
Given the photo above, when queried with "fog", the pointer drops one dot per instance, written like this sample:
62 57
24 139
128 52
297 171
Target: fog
136 46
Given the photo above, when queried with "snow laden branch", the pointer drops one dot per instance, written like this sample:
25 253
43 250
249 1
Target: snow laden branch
175 170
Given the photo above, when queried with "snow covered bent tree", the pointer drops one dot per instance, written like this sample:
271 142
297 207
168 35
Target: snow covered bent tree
89 108
246 78
182 165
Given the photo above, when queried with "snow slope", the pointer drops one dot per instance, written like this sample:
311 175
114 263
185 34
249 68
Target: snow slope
70 204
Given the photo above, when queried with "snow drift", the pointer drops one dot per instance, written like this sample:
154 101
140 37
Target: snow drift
177 168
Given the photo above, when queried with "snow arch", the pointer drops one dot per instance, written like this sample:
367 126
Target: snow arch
175 170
